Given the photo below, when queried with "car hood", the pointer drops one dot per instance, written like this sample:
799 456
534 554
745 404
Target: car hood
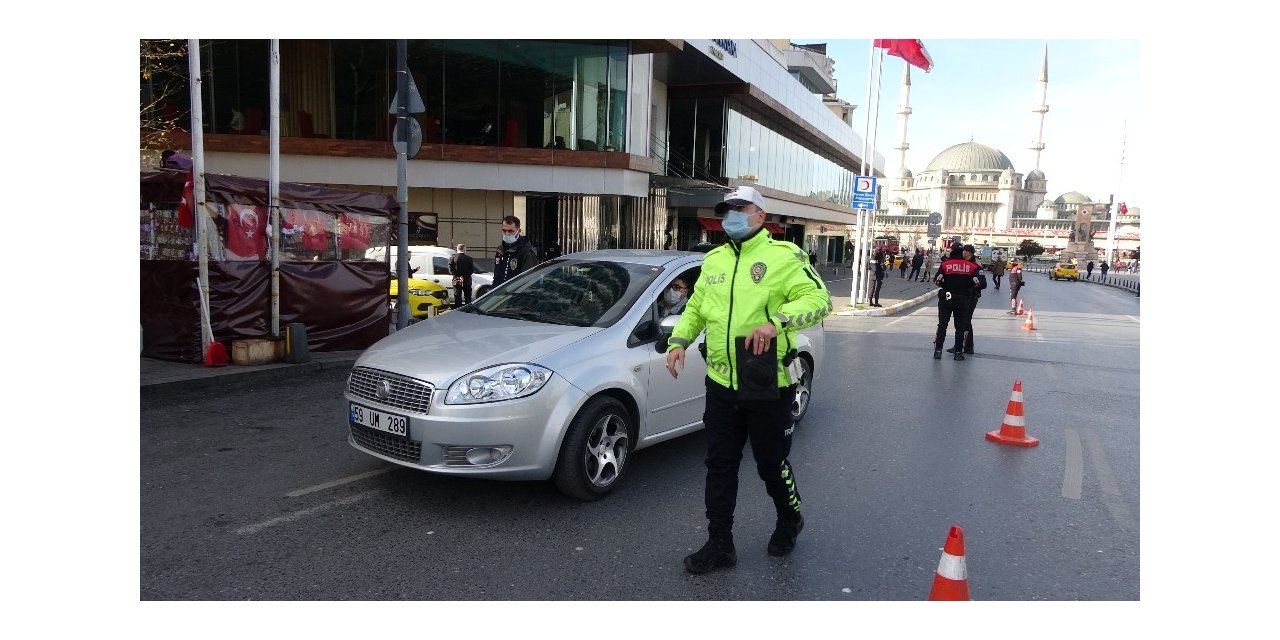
415 283
441 349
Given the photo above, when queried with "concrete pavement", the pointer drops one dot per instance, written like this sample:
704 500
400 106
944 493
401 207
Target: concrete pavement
157 376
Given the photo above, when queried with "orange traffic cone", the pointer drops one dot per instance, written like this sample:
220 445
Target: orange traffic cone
1030 324
1013 430
951 581
216 355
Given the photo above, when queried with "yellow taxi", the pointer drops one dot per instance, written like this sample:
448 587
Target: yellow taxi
1065 271
425 297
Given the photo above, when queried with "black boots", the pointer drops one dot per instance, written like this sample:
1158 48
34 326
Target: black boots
784 535
937 353
717 553
959 355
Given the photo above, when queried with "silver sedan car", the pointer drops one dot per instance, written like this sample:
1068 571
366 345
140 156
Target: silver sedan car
559 373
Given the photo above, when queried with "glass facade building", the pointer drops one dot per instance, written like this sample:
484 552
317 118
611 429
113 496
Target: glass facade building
511 93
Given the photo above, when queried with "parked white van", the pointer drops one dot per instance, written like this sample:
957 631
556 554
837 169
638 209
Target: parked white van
432 263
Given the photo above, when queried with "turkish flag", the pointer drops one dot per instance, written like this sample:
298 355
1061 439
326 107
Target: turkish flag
314 226
355 231
1123 209
910 50
185 208
246 232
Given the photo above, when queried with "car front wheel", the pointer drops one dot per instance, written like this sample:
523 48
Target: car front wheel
804 391
595 451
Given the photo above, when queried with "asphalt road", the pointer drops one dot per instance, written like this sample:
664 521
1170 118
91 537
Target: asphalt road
254 494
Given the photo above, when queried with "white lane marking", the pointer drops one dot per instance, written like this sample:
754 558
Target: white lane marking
297 515
1134 319
1107 480
361 476
1073 477
900 319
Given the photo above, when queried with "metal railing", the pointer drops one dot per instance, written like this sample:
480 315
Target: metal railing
1127 281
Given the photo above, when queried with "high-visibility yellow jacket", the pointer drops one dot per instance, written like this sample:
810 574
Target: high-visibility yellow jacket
743 285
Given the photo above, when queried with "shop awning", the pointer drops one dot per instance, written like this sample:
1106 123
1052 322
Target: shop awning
713 224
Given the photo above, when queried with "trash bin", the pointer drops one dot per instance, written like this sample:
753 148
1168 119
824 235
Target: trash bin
295 343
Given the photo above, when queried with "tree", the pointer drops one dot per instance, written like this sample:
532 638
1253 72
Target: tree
1028 248
163 67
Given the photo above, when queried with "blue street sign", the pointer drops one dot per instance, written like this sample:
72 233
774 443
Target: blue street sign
864 192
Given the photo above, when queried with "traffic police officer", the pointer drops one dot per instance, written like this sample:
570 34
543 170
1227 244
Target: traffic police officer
752 296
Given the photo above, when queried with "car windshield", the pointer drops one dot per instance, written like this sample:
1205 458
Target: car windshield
580 293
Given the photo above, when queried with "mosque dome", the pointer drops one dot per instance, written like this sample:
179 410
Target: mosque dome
1072 197
1035 174
970 156
905 173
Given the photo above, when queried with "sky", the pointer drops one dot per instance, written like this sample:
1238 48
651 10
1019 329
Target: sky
984 89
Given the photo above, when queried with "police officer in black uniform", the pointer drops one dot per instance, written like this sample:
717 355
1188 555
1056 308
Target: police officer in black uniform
957 277
968 252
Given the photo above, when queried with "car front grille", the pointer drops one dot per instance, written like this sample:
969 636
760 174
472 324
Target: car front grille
397 447
405 392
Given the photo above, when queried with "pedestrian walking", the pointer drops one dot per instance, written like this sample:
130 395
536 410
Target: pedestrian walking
956 277
754 293
515 254
1088 271
873 298
1015 285
997 270
917 261
927 274
1105 266
461 267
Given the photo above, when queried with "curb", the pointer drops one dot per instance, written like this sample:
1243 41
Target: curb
890 310
265 374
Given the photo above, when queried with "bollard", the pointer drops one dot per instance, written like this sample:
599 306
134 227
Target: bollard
295 343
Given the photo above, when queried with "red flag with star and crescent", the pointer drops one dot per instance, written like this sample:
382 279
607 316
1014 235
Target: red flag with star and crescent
912 51
246 232
186 219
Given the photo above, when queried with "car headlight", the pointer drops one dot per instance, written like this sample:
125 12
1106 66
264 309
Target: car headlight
422 293
503 382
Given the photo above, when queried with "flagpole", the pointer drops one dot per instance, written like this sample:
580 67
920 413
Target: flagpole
860 270
273 180
871 225
197 167
1111 226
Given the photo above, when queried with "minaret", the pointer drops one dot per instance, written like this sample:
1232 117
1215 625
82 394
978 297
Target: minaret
1043 108
904 111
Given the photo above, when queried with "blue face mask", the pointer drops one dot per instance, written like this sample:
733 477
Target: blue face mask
735 225
510 238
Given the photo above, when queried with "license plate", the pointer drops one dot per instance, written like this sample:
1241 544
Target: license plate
391 423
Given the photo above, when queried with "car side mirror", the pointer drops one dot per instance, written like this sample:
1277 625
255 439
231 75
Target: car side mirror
666 327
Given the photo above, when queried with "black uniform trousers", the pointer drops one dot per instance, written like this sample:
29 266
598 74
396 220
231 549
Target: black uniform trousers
968 335
462 292
963 321
729 423
874 296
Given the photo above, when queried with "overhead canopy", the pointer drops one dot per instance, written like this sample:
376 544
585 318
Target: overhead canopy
713 224
165 185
